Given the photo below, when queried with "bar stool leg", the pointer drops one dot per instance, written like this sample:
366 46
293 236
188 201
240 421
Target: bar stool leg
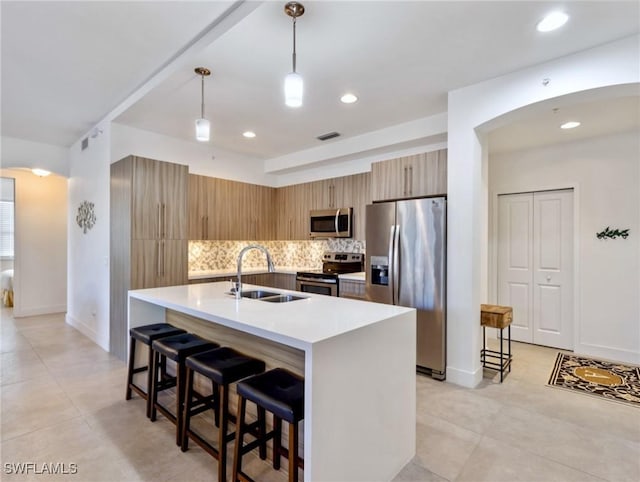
180 382
237 450
277 441
154 385
132 356
293 452
188 402
223 403
262 430
149 380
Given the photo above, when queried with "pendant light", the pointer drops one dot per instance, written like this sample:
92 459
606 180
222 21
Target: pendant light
202 124
293 84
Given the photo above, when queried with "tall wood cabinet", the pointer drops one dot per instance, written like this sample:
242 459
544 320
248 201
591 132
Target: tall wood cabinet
408 177
149 239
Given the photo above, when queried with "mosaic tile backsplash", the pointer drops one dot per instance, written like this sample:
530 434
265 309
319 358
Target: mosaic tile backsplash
223 255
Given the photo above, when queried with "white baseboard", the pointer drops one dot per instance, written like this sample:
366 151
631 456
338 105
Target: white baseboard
93 335
464 378
19 312
608 353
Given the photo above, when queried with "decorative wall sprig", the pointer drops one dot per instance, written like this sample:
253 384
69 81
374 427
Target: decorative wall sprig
613 233
86 217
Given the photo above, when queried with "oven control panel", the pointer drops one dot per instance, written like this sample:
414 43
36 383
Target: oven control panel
343 257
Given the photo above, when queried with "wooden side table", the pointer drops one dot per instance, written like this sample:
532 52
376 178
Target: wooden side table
500 317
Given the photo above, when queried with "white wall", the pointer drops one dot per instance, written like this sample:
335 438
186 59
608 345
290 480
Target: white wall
40 264
617 63
88 268
606 171
29 154
127 140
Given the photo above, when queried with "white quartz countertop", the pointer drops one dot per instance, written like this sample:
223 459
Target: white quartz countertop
215 273
300 323
353 276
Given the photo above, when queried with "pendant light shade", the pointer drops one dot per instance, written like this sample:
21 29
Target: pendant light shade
293 88
293 83
202 130
202 124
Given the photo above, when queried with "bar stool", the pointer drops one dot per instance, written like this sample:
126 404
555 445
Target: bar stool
176 348
281 393
146 334
223 366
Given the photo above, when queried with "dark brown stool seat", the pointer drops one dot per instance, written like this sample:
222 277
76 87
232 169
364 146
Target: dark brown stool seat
281 393
176 348
223 366
146 334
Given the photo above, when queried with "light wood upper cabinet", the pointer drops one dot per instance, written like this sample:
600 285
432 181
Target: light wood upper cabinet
220 209
408 177
198 206
159 199
357 192
228 210
328 194
293 204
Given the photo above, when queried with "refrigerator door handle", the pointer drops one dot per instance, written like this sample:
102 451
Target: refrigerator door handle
396 265
392 266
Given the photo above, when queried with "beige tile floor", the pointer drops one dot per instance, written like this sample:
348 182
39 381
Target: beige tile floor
62 402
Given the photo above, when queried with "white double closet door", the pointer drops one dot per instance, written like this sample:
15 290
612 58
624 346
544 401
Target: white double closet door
535 265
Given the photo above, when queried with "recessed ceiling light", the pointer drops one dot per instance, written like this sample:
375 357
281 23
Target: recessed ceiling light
348 99
40 172
570 125
552 21
249 134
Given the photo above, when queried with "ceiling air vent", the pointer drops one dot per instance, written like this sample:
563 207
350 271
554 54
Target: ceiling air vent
85 143
326 137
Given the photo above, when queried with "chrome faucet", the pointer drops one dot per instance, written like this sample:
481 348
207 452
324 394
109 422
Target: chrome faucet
270 267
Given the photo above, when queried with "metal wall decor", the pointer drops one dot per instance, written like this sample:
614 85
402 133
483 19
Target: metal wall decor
86 218
613 233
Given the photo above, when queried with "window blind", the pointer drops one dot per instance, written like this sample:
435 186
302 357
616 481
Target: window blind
7 197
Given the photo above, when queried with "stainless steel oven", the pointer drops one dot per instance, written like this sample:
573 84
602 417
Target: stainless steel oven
317 283
326 281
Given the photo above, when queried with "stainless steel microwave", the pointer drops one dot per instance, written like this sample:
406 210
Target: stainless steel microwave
331 223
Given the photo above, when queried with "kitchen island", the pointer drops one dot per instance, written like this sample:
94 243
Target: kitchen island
358 360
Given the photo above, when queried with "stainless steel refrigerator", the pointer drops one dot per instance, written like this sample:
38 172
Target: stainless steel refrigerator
406 266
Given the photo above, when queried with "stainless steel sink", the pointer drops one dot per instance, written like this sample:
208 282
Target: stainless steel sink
258 294
283 298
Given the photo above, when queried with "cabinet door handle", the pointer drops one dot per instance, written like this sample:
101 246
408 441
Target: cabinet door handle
410 180
404 182
206 227
164 220
159 222
163 258
157 250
